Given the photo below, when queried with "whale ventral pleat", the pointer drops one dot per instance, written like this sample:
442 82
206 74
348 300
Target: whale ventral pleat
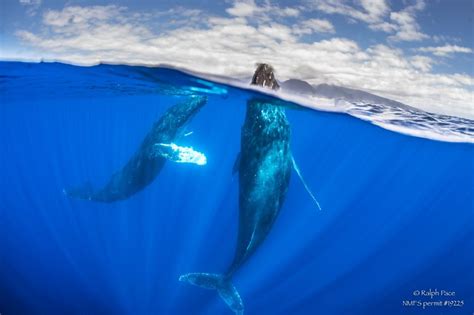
264 76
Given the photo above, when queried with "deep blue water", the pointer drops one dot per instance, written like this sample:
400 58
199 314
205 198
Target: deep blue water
398 211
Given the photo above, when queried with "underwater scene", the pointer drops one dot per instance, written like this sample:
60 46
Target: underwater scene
141 190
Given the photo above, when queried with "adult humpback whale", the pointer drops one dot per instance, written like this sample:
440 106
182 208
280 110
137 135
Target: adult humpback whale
264 168
150 158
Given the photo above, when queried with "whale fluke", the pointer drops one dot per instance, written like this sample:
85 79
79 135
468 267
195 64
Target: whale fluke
222 284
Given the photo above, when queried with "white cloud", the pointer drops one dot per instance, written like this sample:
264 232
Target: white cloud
243 8
386 27
231 46
369 11
32 6
30 2
378 16
407 28
313 26
77 16
422 63
376 9
289 12
276 31
446 50
249 8
444 39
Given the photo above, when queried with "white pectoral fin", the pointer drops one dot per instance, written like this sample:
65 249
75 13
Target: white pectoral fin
161 150
179 154
297 170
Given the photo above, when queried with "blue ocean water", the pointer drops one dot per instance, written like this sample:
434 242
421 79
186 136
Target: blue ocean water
397 212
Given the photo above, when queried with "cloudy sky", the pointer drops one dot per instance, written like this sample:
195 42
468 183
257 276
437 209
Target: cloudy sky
419 52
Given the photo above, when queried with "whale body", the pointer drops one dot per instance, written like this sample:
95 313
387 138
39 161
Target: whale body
264 167
145 164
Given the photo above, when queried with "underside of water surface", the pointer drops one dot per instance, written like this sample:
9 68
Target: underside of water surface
396 214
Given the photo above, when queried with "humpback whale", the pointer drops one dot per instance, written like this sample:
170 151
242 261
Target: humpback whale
149 159
264 166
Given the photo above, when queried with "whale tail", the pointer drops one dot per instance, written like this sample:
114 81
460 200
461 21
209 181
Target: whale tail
222 284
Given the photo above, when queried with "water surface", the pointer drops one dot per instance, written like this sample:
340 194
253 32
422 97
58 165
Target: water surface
397 209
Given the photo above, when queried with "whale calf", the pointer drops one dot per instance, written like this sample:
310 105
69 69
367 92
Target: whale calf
264 166
147 161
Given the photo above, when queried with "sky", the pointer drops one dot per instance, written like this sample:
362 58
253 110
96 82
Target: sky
419 52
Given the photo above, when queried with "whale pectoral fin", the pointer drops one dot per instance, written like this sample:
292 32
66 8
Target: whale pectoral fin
160 150
224 287
297 170
178 154
236 167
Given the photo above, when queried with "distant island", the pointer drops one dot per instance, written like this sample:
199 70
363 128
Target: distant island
300 87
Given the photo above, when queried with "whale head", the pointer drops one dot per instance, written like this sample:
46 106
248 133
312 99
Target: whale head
264 76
